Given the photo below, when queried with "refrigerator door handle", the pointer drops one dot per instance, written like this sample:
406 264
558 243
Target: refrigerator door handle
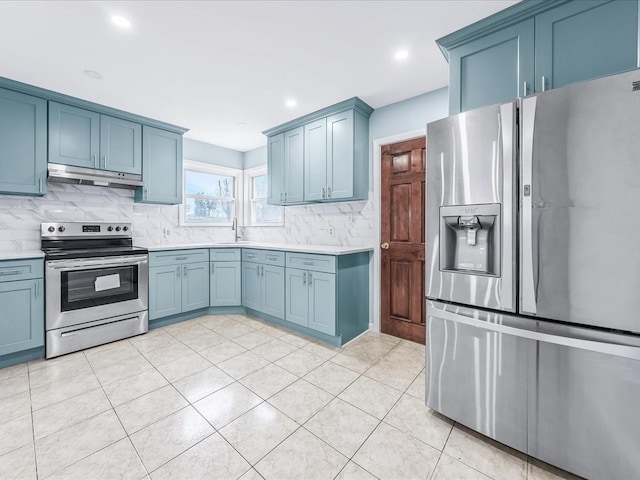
507 114
528 299
618 350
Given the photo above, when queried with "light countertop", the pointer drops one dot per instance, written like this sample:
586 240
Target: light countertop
321 249
21 255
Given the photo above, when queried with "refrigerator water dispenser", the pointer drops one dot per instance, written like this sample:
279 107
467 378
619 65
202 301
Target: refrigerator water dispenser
470 239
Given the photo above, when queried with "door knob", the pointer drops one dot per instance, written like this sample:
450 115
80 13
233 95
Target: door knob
385 246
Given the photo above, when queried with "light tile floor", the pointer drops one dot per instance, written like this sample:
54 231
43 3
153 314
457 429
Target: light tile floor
228 397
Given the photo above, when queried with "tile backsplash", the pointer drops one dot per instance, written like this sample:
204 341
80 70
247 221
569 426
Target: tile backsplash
349 223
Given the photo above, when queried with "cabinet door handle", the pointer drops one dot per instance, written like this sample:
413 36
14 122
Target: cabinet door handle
304 278
104 160
258 269
544 84
524 89
95 160
285 197
212 266
146 193
178 272
280 197
185 269
310 279
328 192
37 289
323 194
40 185
262 268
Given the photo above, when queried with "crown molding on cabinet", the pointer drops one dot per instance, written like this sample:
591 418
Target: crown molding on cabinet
505 18
351 104
76 102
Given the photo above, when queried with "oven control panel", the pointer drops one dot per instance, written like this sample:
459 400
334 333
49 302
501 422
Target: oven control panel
86 229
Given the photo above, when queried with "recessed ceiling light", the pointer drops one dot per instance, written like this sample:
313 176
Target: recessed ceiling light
401 54
291 103
93 74
241 124
121 21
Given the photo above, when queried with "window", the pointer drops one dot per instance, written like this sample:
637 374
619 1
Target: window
211 194
257 210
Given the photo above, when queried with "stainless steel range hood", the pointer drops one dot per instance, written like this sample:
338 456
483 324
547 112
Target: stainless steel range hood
89 176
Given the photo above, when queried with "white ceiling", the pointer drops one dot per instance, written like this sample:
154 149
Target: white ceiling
208 65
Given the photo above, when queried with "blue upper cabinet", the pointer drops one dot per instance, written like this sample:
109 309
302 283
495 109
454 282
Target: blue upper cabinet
493 68
294 166
535 46
83 138
340 157
584 40
315 159
161 167
74 136
120 145
23 143
323 157
275 167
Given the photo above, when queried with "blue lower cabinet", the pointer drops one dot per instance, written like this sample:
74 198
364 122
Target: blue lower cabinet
21 315
178 287
21 311
165 291
225 284
311 300
322 302
297 295
273 290
263 288
251 286
195 286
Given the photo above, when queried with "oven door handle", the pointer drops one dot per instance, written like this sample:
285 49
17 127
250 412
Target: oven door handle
96 262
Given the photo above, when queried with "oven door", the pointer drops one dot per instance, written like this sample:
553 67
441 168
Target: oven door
88 289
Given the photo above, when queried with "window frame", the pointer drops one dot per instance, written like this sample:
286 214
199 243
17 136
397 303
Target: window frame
249 175
212 169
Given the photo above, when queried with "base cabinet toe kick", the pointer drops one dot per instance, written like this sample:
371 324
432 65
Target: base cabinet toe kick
566 395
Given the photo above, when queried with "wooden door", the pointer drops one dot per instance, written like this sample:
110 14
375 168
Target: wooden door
402 239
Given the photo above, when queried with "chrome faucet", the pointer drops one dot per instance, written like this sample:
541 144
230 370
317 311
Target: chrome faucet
234 227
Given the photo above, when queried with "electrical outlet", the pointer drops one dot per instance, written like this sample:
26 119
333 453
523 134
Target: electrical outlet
330 229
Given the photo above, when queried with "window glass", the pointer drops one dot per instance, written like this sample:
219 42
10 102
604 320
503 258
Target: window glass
261 211
210 194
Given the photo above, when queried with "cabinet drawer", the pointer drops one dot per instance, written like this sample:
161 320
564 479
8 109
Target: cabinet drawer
173 257
224 255
312 261
251 255
21 269
273 257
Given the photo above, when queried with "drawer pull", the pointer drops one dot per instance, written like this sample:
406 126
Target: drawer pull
11 272
308 263
272 257
182 258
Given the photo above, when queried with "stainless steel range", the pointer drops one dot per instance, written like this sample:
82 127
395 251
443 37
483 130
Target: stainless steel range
96 285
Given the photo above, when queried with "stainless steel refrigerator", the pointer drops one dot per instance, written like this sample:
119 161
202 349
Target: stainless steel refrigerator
533 274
